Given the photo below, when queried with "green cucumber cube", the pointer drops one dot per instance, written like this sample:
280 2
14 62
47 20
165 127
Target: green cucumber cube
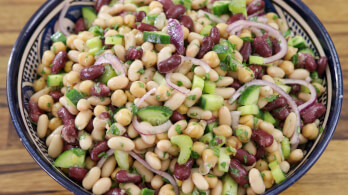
88 15
113 40
156 37
209 87
238 6
55 80
206 30
249 109
58 37
220 7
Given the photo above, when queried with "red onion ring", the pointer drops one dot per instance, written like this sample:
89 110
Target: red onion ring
176 87
104 158
158 172
61 18
108 58
239 25
197 62
176 36
212 17
259 13
142 99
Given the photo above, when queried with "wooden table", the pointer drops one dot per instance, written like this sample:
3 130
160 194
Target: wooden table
19 174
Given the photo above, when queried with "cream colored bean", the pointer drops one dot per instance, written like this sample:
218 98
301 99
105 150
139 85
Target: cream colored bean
278 135
295 156
250 148
304 96
275 72
225 116
108 167
195 36
266 91
284 166
217 190
165 164
226 93
73 55
91 178
223 130
193 96
163 155
129 39
42 126
187 185
152 159
120 52
149 139
256 182
181 78
273 147
290 125
156 182
98 134
131 188
164 54
40 93
303 140
80 45
82 119
57 131
118 82
85 141
175 101
133 71
71 108
266 126
193 48
177 127
147 46
143 171
83 105
213 75
310 131
94 100
199 113
148 75
224 82
166 190
199 181
121 143
56 146
299 74
102 185
164 145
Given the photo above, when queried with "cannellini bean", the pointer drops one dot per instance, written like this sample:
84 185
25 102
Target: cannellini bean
152 159
56 146
57 131
71 108
143 171
102 185
121 143
290 125
193 96
85 141
175 101
133 71
199 181
42 126
225 116
256 182
226 93
108 167
199 113
40 93
91 178
82 119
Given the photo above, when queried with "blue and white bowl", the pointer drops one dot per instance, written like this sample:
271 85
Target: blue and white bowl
35 39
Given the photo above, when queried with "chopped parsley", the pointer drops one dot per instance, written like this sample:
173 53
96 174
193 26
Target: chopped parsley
275 17
271 98
141 84
193 114
194 154
114 129
256 120
239 132
135 109
235 171
245 158
191 97
103 154
269 42
207 76
247 39
223 164
321 130
216 151
179 83
178 129
141 71
262 174
168 93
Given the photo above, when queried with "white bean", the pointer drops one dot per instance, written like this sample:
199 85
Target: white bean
102 185
164 54
121 143
187 186
133 71
224 82
56 146
57 131
91 178
42 126
199 181
256 181
143 171
152 159
108 167
71 108
129 39
85 141
226 93
82 119
177 78
193 96
175 101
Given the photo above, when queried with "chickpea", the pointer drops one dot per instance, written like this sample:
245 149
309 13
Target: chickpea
39 84
245 74
197 27
57 47
117 20
291 52
166 190
70 40
124 117
138 89
85 35
234 39
149 58
319 88
86 59
72 78
199 147
267 178
212 181
68 66
261 165
118 98
243 133
288 67
55 108
129 20
274 156
223 130
47 58
182 109
245 33
209 157
295 156
46 102
212 59
222 28
99 109
194 130
310 131
85 86
247 120
234 142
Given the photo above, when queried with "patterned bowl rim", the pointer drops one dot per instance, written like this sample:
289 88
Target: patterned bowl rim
301 9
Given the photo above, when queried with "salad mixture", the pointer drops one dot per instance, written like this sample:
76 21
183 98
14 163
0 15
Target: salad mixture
177 97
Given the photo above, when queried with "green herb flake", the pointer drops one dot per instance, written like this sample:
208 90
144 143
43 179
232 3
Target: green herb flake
223 164
262 174
194 154
210 175
134 109
141 84
193 114
271 98
141 71
245 158
114 129
207 76
101 154
247 39
256 120
157 97
239 132
102 99
216 151
191 97
83 136
269 42
178 129
321 130
275 17
168 93
179 83
235 171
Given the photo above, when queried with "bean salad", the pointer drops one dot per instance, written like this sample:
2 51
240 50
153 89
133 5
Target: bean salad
177 97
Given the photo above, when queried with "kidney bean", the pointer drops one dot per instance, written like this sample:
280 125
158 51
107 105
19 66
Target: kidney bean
116 191
175 11
100 90
166 4
295 88
299 102
277 103
141 185
89 126
245 51
69 132
100 3
207 45
146 27
183 171
258 71
58 62
236 84
263 46
238 172
134 53
186 21
123 176
77 173
56 95
104 115
176 116
157 191
139 16
65 115
260 153
255 6
34 111
92 72
281 113
312 113
215 35
69 146
275 46
261 137
235 18
80 25
169 64
98 149
322 63
245 158
310 63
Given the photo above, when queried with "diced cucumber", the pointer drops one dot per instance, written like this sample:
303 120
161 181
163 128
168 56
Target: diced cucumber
143 8
159 78
211 102
89 16
256 60
249 109
250 95
108 74
122 159
297 41
55 80
268 117
220 7
197 82
206 138
285 147
113 40
230 187
156 115
185 144
74 96
273 164
260 114
58 37
238 6
150 19
277 172
94 44
209 87
156 37
224 160
206 30
314 75
286 88
75 157
211 126
304 89
307 50
146 191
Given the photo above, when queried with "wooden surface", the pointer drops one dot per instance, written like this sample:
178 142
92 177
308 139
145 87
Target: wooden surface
19 174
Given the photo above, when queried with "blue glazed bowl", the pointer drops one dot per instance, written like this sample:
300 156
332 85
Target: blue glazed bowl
35 39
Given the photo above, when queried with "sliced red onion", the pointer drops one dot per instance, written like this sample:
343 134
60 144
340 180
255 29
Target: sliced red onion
142 99
177 88
256 31
108 58
104 158
149 129
61 18
259 13
197 62
239 25
158 172
176 36
212 17
235 115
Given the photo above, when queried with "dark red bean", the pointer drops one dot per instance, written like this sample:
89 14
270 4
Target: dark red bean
186 21
263 46
56 95
182 172
277 103
207 45
176 116
262 138
299 102
275 46
236 84
80 25
134 53
123 176
115 191
69 132
215 35
312 113
69 146
258 71
77 173
100 3
310 63
169 64
139 16
65 115
34 111
255 6
100 90
58 62
89 126
104 115
260 153
281 113
166 4
244 157
322 63
92 72
98 149
235 18
238 172
246 50
295 88
175 11
146 27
